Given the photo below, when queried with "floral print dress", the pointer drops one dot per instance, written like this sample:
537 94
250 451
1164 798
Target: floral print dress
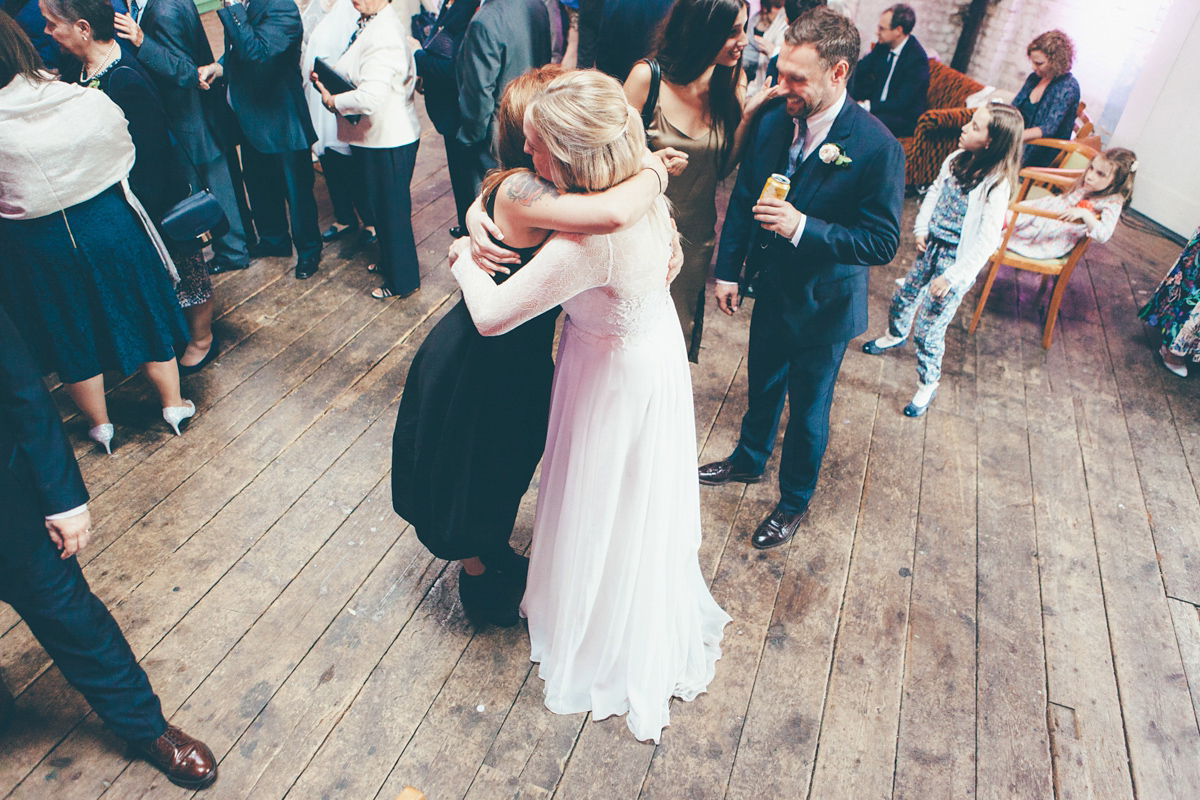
1174 309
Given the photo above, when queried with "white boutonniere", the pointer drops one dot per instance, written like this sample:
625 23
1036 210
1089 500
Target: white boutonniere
834 154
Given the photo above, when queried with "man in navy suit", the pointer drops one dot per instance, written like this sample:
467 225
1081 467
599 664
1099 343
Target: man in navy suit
44 522
892 81
171 44
261 66
811 253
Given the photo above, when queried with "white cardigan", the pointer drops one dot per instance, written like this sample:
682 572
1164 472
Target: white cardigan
381 65
983 225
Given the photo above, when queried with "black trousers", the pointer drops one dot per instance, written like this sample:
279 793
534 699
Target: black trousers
389 172
347 187
273 180
460 164
74 627
805 377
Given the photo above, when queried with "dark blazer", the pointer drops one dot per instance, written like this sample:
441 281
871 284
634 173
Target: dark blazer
37 465
853 223
505 39
908 93
437 70
262 67
174 46
616 34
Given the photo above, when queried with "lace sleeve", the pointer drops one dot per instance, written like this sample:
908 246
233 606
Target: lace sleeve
565 266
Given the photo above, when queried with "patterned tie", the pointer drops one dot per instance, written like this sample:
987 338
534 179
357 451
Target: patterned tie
797 147
133 9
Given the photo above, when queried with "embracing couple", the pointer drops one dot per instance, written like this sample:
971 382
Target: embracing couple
620 616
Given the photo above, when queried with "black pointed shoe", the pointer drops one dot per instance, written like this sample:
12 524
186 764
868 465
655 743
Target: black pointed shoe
777 528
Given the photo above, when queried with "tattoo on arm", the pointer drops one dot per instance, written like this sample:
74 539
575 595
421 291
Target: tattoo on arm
526 188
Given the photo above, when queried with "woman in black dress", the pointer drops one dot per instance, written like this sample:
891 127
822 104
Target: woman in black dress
159 178
472 421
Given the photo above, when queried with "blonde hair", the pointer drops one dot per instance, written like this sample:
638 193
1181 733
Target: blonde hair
1124 164
588 127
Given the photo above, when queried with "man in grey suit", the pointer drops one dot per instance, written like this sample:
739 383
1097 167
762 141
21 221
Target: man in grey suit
170 43
505 39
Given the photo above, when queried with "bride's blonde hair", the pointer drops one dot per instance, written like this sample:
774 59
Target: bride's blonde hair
589 128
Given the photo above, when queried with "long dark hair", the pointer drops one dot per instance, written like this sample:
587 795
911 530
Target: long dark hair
688 43
1002 154
17 54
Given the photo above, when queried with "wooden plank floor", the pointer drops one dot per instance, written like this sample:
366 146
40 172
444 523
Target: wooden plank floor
998 600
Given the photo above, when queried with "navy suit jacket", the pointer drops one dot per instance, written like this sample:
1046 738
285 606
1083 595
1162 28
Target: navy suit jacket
908 93
174 46
262 67
38 473
853 211
437 71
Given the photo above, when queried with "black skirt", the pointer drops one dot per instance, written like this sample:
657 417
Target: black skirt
470 432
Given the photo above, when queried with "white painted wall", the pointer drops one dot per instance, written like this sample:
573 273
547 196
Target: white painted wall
1161 124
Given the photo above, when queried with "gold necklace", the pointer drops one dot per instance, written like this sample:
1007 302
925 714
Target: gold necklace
103 64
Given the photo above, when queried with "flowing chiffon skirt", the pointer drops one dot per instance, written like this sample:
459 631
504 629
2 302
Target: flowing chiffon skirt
620 616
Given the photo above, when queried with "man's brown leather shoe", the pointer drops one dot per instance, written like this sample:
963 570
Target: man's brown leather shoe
187 762
777 528
719 473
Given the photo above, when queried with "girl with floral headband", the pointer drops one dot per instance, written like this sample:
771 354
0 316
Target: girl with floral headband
958 228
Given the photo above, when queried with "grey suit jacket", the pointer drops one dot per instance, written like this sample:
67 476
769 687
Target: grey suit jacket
173 48
505 39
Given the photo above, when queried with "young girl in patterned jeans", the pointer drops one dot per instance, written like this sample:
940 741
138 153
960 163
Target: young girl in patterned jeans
958 229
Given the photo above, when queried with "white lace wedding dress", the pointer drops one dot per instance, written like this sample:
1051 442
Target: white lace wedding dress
620 617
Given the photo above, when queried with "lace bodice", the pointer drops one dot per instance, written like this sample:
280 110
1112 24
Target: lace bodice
612 287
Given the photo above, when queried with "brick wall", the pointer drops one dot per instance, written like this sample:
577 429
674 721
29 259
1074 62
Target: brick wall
1112 38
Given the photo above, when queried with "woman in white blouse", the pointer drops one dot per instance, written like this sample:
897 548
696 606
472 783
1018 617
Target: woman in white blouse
379 122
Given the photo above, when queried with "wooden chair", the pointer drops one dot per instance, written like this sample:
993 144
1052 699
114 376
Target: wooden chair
1073 157
1059 269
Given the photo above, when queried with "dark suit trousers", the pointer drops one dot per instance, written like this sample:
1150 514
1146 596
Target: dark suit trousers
272 180
460 163
74 627
347 187
805 377
219 180
389 172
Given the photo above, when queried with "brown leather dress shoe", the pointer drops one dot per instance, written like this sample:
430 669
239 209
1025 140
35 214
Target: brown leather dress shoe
719 473
777 528
187 762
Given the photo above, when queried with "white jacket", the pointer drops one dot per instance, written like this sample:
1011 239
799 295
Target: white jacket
983 225
381 65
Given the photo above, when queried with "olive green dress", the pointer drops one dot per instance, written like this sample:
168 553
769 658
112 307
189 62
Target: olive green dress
693 196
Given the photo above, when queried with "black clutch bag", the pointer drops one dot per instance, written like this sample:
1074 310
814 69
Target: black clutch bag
193 222
335 83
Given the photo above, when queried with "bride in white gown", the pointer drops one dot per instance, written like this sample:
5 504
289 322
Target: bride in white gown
620 617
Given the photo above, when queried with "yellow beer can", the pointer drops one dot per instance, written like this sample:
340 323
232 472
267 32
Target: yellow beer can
776 186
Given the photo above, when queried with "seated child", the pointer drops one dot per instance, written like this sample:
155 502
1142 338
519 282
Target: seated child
1091 207
958 229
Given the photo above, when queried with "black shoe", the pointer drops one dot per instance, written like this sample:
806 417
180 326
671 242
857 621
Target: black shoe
264 250
872 349
914 410
777 528
216 265
489 599
511 566
353 247
719 473
458 231
209 357
333 232
307 267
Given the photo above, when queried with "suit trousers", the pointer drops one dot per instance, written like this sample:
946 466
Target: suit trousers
217 177
272 180
389 172
347 187
74 627
459 162
805 377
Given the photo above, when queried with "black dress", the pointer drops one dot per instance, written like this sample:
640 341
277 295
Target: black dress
471 430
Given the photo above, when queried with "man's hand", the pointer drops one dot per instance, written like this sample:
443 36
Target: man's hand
778 215
128 29
209 74
921 244
70 534
939 287
727 297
